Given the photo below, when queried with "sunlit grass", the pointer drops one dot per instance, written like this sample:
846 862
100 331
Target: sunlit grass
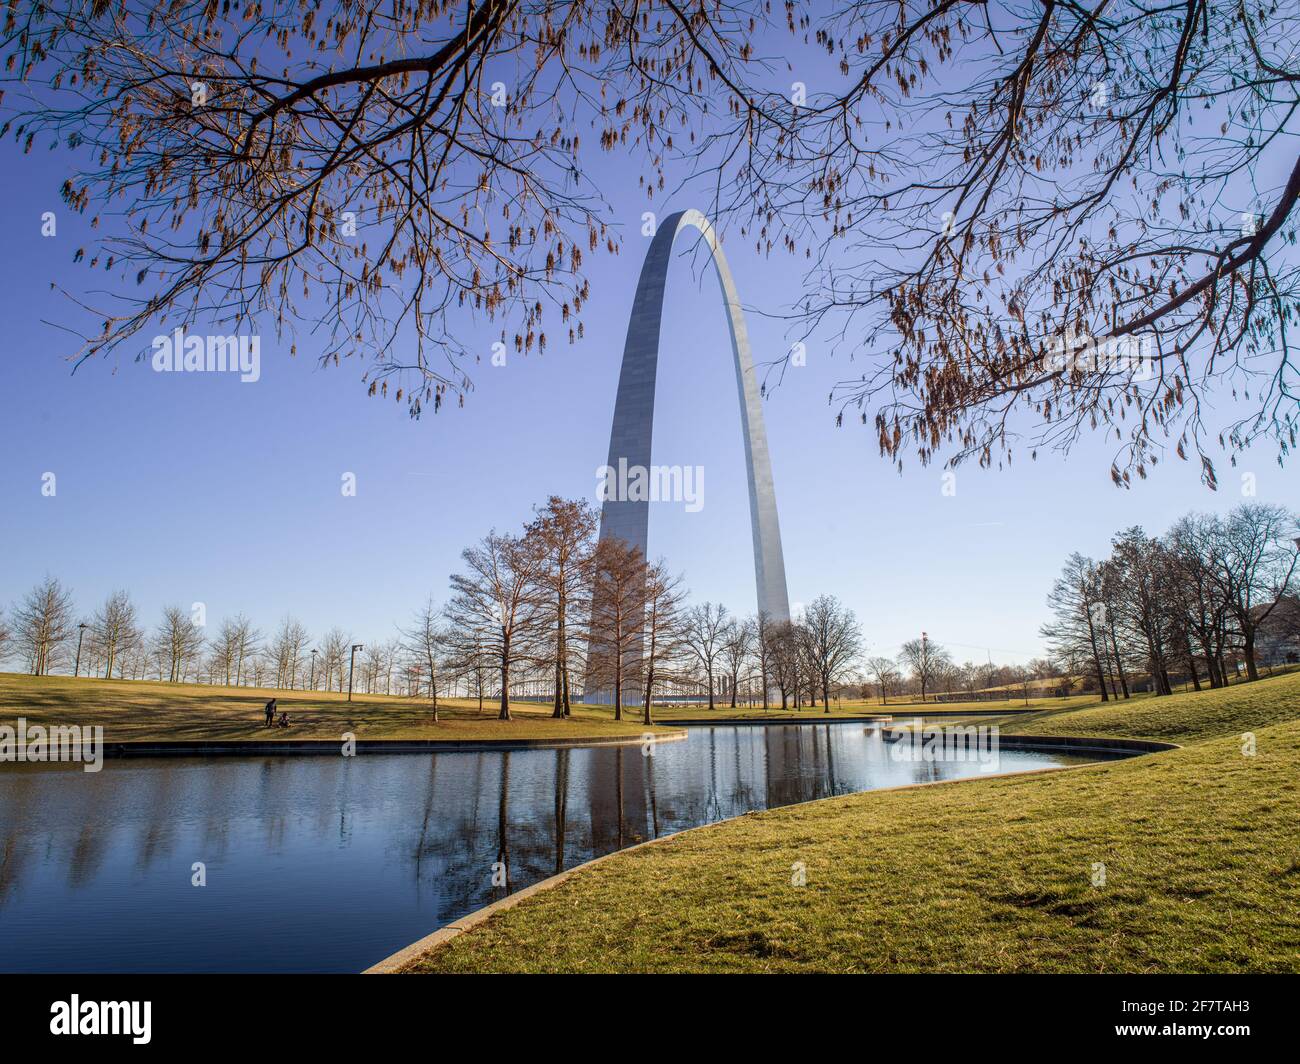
132 710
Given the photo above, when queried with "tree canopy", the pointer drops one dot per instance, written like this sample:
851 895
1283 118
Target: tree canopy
1023 220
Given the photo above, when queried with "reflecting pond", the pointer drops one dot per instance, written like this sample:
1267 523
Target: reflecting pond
330 864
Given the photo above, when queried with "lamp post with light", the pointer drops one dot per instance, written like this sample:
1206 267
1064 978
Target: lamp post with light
351 664
81 634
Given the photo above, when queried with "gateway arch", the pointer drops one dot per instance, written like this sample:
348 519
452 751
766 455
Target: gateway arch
630 439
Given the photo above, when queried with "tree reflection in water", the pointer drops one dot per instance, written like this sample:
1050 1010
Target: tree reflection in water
319 863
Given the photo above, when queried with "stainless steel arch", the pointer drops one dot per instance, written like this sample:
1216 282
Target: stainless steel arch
630 439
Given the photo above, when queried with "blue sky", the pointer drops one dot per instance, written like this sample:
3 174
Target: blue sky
190 488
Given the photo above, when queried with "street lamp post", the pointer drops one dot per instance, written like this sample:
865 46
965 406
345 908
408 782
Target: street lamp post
351 663
925 659
313 670
81 634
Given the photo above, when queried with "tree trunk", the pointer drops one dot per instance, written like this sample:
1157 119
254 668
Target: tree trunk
1096 657
558 711
505 677
1212 667
1248 651
1119 663
559 706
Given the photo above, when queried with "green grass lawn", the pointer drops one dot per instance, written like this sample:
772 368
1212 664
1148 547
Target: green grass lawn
142 710
1201 855
1179 718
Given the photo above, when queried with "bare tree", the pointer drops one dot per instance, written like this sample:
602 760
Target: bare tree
335 648
564 532
496 600
1109 583
426 643
115 628
287 649
706 625
617 619
393 652
759 625
409 164
1256 568
885 673
1042 229
661 639
805 664
737 645
467 659
834 641
783 657
1195 546
225 649
926 659
371 663
1141 576
247 640
43 623
1078 628
258 667
176 641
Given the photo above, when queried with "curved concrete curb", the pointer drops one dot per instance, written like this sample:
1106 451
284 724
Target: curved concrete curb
1076 744
393 964
257 748
1086 744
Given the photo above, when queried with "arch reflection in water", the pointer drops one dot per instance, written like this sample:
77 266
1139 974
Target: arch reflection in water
329 864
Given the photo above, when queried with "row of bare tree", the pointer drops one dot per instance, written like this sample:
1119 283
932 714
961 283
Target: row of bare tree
555 600
553 610
1213 591
46 635
548 609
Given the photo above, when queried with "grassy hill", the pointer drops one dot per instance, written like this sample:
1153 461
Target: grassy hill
1202 869
1177 718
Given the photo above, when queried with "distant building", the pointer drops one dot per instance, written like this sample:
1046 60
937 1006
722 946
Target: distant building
1278 640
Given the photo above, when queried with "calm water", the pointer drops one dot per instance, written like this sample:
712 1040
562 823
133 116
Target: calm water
331 864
